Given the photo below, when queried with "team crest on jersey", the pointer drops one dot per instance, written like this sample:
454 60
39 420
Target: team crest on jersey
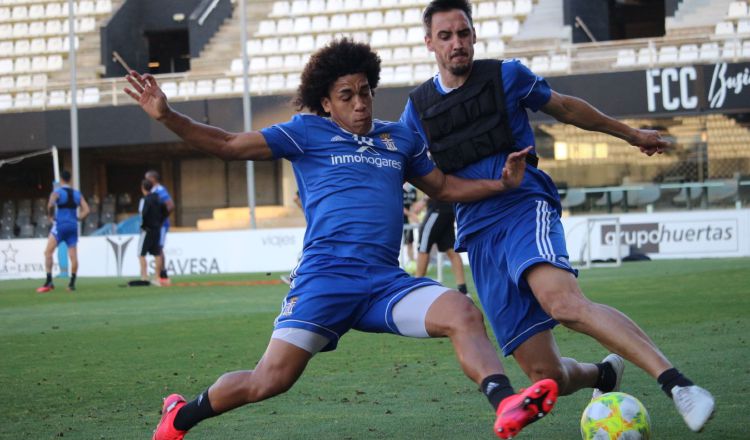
288 308
388 141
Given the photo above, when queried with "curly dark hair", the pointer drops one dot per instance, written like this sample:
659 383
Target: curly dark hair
339 58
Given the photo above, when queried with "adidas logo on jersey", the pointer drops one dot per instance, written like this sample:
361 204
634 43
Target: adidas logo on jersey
338 138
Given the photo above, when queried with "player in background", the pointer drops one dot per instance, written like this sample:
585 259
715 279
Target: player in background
410 217
64 214
153 215
438 228
349 170
161 191
473 113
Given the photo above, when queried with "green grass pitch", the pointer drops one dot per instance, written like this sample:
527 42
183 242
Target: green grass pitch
95 364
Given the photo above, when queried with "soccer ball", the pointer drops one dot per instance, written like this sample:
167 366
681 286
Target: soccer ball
615 416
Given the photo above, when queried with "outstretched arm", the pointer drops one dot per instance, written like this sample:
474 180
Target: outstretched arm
450 188
228 146
576 111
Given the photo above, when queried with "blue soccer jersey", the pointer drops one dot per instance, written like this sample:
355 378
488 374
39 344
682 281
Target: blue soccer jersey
523 90
164 197
349 184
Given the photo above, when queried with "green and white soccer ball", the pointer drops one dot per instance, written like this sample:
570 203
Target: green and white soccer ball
615 416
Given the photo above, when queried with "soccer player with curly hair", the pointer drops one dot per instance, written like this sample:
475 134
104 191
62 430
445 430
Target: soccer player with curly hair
349 170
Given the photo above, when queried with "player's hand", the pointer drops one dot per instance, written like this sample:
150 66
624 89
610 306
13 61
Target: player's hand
650 142
514 169
148 94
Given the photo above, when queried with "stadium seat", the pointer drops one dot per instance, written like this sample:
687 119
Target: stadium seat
420 52
280 8
39 64
23 81
732 49
422 72
682 196
299 7
256 64
305 43
320 23
6 101
270 45
6 232
646 56
709 52
54 62
22 100
724 28
38 45
559 63
87 24
6 66
488 29
6 48
292 81
746 49
415 35
292 61
301 25
276 82
169 88
689 53
7 83
625 58
737 10
743 27
223 86
258 83
352 4
38 99
41 231
103 6
511 26
53 9
338 21
266 27
90 95
540 63
668 55
726 192
4 14
58 97
53 27
379 38
484 10
574 197
401 54
22 47
374 18
393 16
236 66
85 7
186 88
20 13
55 44
275 62
22 65
334 5
610 199
37 28
647 195
504 8
387 75
522 7
412 16
6 31
357 20
26 231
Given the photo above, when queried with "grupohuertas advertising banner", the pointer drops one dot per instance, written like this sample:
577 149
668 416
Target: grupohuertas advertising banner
696 234
188 253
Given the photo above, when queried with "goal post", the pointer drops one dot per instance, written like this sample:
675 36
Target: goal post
52 151
612 250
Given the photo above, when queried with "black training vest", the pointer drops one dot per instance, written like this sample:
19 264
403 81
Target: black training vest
469 123
70 203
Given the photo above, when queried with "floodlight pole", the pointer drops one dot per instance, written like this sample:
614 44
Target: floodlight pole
247 116
73 94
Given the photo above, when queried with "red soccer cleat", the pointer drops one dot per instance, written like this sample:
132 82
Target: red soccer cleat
45 288
165 430
524 408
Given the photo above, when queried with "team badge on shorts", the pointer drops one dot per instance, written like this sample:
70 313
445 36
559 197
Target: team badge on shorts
288 308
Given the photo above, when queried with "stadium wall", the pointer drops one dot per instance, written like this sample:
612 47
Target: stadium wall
653 93
673 235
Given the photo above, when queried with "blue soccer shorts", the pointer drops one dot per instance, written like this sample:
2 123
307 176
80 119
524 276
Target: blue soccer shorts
331 295
67 233
499 256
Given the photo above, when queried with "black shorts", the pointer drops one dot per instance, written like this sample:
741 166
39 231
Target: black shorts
408 237
149 243
437 228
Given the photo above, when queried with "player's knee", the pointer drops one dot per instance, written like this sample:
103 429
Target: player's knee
464 316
